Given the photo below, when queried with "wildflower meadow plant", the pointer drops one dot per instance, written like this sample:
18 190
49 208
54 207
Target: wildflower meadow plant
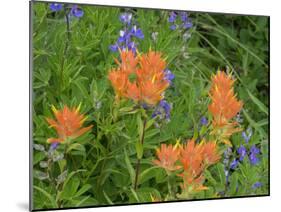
128 106
128 34
179 20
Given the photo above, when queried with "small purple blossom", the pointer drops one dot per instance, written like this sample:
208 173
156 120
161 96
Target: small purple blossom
54 145
253 159
187 25
185 21
114 47
132 46
242 151
172 18
234 164
127 35
126 18
256 185
254 150
204 121
247 135
184 16
76 11
137 32
173 27
56 7
163 110
169 76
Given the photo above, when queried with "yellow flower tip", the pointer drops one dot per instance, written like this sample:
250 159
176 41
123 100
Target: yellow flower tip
153 78
227 142
178 144
78 108
54 109
84 119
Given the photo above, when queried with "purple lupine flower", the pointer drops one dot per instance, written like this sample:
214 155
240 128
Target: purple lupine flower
56 7
184 16
204 121
76 11
234 164
257 185
163 110
167 108
168 75
247 135
126 18
137 32
242 151
126 35
114 47
254 149
186 22
173 27
187 25
253 159
54 145
132 46
172 18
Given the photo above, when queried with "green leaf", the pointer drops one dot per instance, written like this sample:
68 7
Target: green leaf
82 201
140 126
233 184
221 174
49 196
260 105
129 167
83 190
147 174
67 180
38 157
107 198
149 123
135 195
139 149
70 188
78 147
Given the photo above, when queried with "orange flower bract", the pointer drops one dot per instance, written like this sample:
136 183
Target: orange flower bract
67 123
224 107
192 159
140 78
195 158
167 157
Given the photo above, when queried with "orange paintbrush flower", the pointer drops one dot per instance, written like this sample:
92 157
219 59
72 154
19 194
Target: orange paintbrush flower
140 78
119 81
224 105
167 157
191 158
210 153
68 124
195 158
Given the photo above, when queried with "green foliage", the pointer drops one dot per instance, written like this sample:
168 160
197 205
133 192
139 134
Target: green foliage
99 168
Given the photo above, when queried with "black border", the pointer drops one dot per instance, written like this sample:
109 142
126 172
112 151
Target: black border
31 101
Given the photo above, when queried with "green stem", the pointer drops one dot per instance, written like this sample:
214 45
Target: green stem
139 160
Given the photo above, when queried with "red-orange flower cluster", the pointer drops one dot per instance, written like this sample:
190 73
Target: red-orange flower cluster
168 156
68 124
140 78
192 159
224 106
195 158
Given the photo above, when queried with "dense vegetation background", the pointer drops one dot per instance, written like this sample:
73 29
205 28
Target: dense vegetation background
71 65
